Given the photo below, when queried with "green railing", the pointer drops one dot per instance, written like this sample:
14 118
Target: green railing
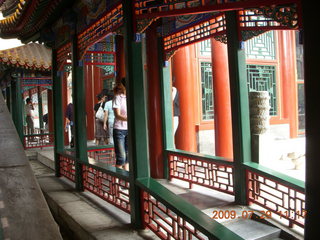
276 192
170 216
182 219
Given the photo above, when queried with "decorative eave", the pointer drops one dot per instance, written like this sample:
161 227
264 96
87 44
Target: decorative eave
8 7
31 56
30 17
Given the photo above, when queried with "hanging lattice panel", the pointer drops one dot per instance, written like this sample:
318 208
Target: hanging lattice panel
196 33
269 18
63 54
149 7
30 81
111 21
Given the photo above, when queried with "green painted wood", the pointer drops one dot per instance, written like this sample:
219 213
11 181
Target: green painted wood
40 107
100 147
186 210
14 102
8 98
110 170
204 157
79 115
166 102
137 123
277 176
58 117
17 108
239 106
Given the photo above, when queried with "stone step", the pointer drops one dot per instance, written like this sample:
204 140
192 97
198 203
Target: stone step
252 230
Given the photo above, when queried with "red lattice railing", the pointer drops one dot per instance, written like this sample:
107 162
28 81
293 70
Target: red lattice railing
207 172
67 167
165 223
108 187
114 188
279 198
103 155
38 140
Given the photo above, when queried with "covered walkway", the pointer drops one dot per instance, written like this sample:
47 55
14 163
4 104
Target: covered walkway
147 35
84 215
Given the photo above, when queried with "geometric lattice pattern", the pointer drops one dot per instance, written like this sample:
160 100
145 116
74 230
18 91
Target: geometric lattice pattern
63 54
263 78
108 23
67 166
165 223
261 47
155 6
207 91
277 197
203 30
99 58
202 171
205 47
108 187
38 140
36 82
104 155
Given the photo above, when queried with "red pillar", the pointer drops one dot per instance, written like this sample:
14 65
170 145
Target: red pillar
288 79
90 101
120 58
185 82
222 102
154 105
97 82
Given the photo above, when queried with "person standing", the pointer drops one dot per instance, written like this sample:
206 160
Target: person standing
120 127
69 122
29 116
176 109
100 133
109 119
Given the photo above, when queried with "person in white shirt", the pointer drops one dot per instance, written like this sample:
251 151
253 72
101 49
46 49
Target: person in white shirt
120 127
29 116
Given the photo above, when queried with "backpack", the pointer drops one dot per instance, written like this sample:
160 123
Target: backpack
100 113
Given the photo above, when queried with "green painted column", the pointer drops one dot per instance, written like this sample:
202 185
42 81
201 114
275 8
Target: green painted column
58 118
17 107
167 111
8 98
311 50
239 106
40 108
137 124
79 114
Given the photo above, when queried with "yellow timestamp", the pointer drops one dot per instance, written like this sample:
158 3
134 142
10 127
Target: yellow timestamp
261 214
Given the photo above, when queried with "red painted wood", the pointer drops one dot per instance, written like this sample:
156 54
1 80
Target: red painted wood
184 80
222 102
154 105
